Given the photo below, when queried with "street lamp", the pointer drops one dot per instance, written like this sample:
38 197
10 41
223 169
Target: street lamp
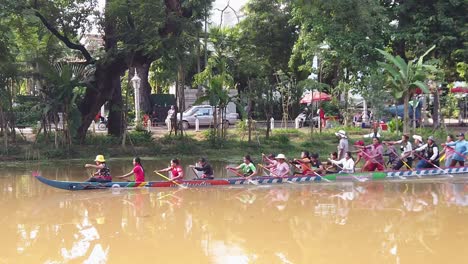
136 89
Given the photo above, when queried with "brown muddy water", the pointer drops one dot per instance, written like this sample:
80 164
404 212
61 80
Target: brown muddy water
374 222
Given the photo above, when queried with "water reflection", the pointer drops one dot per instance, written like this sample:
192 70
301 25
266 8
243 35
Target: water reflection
374 222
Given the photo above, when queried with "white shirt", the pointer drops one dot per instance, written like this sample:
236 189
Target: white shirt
406 148
435 150
348 164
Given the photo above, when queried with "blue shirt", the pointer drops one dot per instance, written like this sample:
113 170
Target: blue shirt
461 146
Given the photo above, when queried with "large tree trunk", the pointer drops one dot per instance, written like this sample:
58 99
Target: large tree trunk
107 88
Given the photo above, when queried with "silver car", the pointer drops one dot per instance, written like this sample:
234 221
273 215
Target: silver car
204 113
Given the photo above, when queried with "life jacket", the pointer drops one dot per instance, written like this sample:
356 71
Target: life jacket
430 151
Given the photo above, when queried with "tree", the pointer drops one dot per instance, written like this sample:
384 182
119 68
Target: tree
134 33
404 78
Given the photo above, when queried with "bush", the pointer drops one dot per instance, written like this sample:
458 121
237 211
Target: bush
393 124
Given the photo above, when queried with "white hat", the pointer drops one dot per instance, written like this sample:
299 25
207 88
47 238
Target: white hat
341 133
280 156
417 138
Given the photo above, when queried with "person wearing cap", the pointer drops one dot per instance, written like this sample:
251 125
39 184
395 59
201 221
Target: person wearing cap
103 172
282 168
406 155
418 142
461 150
247 168
431 159
205 168
343 145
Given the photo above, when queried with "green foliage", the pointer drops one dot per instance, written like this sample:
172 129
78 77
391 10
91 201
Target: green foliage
140 137
394 123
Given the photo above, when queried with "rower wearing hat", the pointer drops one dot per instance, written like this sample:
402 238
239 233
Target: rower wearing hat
282 168
103 172
431 159
343 145
461 150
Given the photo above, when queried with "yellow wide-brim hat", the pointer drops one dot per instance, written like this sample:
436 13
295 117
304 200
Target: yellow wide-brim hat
100 158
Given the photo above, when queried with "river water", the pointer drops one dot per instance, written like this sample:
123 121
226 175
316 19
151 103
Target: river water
373 222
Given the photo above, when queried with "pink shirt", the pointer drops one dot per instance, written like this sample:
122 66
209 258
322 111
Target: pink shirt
282 169
139 173
176 171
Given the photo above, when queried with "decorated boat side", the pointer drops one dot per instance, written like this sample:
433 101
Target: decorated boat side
364 176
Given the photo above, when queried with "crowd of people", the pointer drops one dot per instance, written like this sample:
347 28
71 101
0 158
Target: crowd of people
416 155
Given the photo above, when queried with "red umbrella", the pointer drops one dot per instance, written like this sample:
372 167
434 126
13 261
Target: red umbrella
460 90
315 97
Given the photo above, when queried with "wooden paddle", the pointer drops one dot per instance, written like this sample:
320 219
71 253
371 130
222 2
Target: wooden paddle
240 175
169 179
428 161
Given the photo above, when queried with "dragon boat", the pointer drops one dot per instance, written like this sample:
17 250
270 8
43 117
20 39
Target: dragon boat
364 176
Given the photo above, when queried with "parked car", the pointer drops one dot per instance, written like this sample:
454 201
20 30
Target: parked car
204 113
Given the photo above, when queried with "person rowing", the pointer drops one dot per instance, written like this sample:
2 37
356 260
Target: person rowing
316 166
205 168
448 151
137 171
431 158
246 169
460 152
177 173
375 156
303 164
282 168
347 163
103 172
330 167
271 163
406 156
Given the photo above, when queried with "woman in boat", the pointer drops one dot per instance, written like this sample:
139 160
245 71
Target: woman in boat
460 152
205 168
448 151
103 172
330 167
246 169
271 163
177 173
282 168
303 164
376 160
347 164
137 171
362 153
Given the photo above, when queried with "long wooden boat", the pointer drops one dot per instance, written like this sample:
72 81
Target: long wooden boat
417 174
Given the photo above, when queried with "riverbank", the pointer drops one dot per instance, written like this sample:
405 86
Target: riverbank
160 145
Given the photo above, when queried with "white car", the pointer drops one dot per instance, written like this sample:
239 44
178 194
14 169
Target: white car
204 113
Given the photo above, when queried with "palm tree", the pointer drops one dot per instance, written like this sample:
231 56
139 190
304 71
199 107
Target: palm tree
404 78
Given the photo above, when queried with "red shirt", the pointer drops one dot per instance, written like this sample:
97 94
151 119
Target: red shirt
176 171
139 173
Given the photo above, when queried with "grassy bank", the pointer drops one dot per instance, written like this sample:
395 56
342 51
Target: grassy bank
287 141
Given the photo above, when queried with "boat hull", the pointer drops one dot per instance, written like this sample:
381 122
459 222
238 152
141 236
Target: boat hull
424 173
